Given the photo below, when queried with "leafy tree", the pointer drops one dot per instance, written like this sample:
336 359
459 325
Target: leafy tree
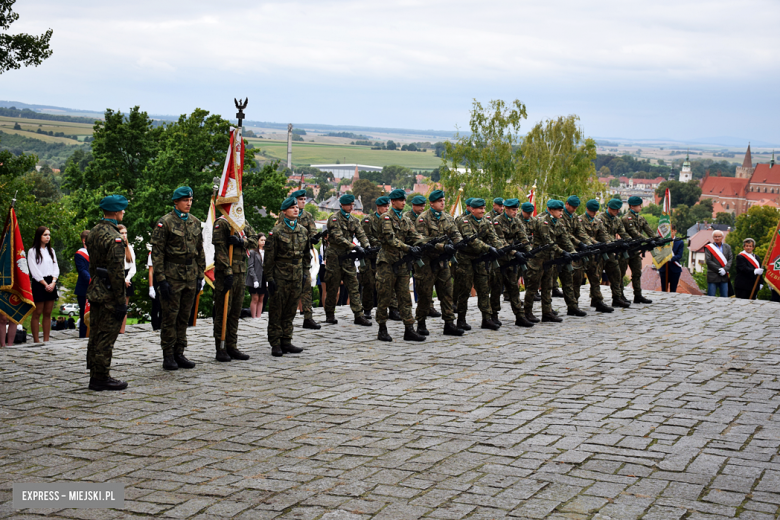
368 193
263 189
436 175
397 176
604 171
652 209
725 218
391 145
758 223
686 193
614 183
412 147
20 49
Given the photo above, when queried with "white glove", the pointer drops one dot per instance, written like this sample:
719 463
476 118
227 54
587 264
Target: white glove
152 293
760 286
722 271
257 285
202 284
758 271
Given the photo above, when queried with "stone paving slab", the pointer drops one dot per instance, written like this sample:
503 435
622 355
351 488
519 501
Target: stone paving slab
666 410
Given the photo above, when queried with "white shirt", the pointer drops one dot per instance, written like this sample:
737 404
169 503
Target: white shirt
130 265
47 267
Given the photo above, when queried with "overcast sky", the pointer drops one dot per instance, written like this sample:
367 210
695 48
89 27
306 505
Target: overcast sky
679 69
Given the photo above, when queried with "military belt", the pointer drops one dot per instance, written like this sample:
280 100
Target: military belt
186 261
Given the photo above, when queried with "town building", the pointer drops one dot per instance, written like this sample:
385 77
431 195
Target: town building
345 170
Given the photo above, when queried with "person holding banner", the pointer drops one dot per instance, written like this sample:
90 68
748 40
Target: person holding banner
673 265
718 257
749 271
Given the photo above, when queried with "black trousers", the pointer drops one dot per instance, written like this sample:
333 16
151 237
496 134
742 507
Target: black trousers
674 279
156 313
82 305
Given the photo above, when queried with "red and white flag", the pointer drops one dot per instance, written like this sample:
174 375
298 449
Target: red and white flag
208 247
532 197
667 202
230 197
16 298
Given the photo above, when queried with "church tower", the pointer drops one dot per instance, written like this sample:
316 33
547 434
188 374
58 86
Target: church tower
685 173
746 170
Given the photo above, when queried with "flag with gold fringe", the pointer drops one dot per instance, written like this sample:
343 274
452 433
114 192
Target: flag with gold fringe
16 299
663 254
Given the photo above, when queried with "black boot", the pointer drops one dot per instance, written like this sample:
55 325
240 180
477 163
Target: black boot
277 351
309 323
496 320
602 307
557 293
576 311
330 317
234 353
106 383
549 317
291 349
638 298
182 361
530 317
383 334
422 330
367 314
521 321
451 330
411 335
554 312
222 354
433 313
462 322
537 297
394 315
489 324
361 320
621 303
169 363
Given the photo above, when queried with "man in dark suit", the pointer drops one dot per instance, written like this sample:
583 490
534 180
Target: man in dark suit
82 268
673 265
718 258
748 271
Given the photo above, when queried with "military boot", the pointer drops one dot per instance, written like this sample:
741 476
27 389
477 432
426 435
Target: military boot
537 297
488 323
367 314
576 311
620 303
557 293
522 321
394 315
433 313
291 349
277 351
422 330
411 335
383 334
451 330
550 317
99 383
530 317
602 307
169 363
234 353
222 354
330 317
462 322
182 361
496 320
638 298
361 320
309 323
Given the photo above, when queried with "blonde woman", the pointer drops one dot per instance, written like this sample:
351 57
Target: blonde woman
130 270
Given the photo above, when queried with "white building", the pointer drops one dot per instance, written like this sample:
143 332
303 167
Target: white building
345 170
685 173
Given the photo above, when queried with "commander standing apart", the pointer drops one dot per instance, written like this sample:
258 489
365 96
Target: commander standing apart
179 263
106 292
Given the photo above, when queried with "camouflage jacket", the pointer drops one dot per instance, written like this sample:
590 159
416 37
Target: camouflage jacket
305 219
510 230
431 227
594 227
635 224
371 224
613 225
219 238
397 236
411 216
550 231
107 251
577 233
341 228
285 252
177 249
469 225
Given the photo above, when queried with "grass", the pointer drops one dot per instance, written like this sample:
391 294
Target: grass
305 154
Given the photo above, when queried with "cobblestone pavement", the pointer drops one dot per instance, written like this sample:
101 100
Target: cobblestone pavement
660 411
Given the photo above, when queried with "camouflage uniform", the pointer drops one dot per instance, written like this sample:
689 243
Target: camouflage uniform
397 236
595 230
435 273
177 257
368 273
637 227
341 228
106 250
306 220
223 268
613 226
468 273
508 230
545 231
577 235
286 250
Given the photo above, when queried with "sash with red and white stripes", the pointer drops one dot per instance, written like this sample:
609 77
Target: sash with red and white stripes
83 254
714 251
750 258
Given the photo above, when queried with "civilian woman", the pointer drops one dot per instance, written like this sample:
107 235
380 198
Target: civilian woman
255 281
44 271
748 271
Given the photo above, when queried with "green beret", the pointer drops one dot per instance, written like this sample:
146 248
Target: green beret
477 203
593 205
288 203
468 201
384 200
182 193
346 199
615 204
573 201
527 207
299 193
113 203
499 201
436 195
397 193
554 204
635 201
418 199
512 203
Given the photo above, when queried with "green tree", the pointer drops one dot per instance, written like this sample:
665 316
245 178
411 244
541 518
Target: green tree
397 176
652 209
687 193
681 218
264 189
604 171
725 218
17 50
614 183
368 193
391 145
759 223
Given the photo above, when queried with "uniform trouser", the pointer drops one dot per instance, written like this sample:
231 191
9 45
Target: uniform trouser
388 284
496 280
176 315
593 269
306 301
103 331
576 279
536 277
281 311
426 279
509 282
468 275
335 272
635 263
615 277
567 285
368 281
235 302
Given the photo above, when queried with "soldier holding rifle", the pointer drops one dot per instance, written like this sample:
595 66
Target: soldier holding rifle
637 227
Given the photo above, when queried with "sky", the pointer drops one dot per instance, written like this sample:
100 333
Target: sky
677 69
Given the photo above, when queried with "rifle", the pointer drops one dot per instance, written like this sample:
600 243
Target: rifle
492 260
102 273
318 236
515 262
354 255
371 254
409 259
446 258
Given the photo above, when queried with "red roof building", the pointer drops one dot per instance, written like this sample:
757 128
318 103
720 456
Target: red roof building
759 185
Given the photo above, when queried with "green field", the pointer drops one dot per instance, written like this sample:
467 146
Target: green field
29 126
304 154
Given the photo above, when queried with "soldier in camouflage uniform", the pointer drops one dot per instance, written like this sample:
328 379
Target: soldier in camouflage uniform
342 226
495 279
547 229
436 272
106 293
229 276
613 226
398 237
469 273
572 280
179 263
286 250
509 230
418 206
595 230
498 209
372 225
637 227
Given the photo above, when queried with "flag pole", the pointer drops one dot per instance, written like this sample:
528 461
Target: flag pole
766 257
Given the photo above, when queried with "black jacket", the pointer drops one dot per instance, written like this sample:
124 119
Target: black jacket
746 277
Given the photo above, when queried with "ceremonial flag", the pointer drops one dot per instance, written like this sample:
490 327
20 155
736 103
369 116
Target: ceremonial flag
663 254
208 247
457 209
532 198
16 299
230 197
772 261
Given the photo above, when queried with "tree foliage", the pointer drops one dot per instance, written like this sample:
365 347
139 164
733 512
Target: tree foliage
687 193
759 223
368 193
17 50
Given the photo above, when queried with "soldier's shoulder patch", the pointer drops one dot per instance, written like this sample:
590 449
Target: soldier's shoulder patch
387 218
117 240
334 219
216 227
629 218
270 232
366 219
495 223
466 221
545 222
159 224
422 220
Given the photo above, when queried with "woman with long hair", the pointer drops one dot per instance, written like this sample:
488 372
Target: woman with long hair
130 270
255 281
44 271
